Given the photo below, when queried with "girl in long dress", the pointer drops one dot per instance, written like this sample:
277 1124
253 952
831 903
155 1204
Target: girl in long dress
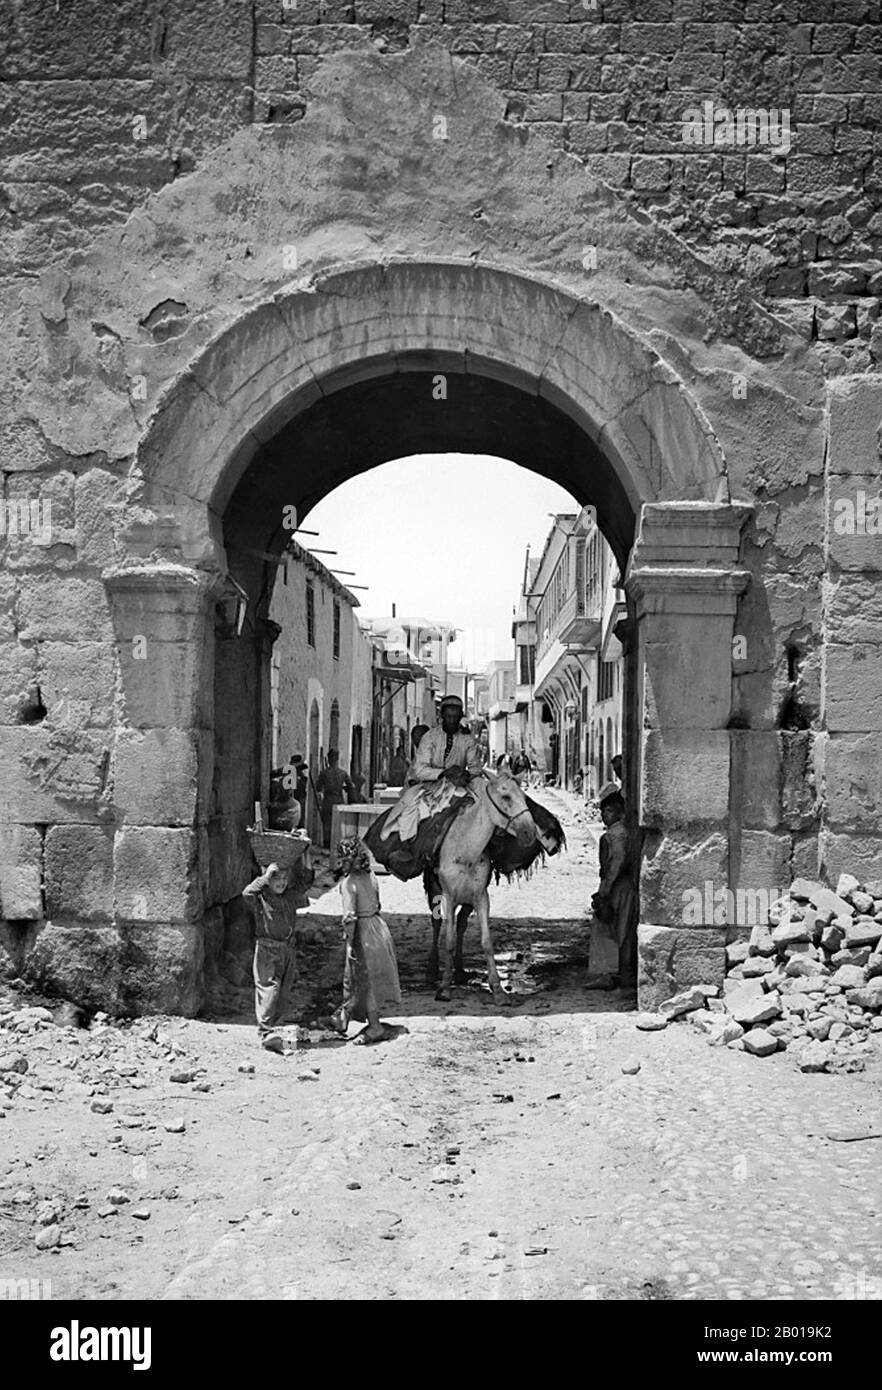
370 978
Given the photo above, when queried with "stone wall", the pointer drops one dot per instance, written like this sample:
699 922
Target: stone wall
606 80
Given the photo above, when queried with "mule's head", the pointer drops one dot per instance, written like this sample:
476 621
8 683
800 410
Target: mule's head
508 807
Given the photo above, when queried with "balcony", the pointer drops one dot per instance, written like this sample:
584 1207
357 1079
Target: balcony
500 708
577 626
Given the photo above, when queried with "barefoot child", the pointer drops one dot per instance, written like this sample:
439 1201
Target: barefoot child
275 895
370 979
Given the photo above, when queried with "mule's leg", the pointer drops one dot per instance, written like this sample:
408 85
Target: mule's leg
448 934
482 908
460 976
433 896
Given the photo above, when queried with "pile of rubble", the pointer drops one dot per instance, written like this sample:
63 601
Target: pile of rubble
809 980
45 1055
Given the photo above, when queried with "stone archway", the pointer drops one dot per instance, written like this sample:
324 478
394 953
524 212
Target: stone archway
364 367
150 372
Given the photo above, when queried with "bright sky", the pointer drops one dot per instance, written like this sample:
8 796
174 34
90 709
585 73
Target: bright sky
442 536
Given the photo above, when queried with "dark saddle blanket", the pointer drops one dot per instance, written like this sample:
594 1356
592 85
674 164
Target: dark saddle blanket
409 858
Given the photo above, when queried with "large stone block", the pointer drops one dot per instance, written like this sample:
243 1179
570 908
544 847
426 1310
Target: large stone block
685 776
675 867
99 500
854 522
855 405
765 862
852 768
672 958
156 876
854 608
804 860
21 873
141 969
851 853
60 608
853 689
155 776
77 683
53 775
689 676
798 782
211 38
164 684
756 777
79 872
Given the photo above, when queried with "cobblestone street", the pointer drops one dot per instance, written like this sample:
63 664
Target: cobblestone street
480 1154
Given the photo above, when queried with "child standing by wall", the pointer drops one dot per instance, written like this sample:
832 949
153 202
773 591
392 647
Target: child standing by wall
615 902
370 978
276 895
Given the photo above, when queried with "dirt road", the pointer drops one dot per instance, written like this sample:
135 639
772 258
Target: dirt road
480 1154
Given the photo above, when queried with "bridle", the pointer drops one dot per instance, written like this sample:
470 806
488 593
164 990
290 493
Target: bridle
508 819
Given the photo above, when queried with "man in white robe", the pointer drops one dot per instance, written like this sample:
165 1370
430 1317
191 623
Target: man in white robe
445 761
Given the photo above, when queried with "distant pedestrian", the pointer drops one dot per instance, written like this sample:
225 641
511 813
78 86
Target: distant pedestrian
275 896
398 766
370 978
334 786
297 777
357 782
522 767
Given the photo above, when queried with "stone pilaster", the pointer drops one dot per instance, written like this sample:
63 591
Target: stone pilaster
684 581
161 774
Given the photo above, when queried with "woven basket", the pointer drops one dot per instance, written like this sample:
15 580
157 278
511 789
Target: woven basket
278 847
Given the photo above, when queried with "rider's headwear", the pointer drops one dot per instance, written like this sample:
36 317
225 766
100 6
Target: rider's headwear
450 701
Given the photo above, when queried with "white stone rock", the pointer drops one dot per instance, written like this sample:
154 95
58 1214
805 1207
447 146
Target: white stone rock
650 1023
802 888
804 967
750 1011
788 932
863 931
724 1033
683 1003
757 966
828 902
815 1056
759 1042
863 902
847 884
849 977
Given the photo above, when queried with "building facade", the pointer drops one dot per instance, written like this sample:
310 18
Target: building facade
320 672
571 610
410 674
500 707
